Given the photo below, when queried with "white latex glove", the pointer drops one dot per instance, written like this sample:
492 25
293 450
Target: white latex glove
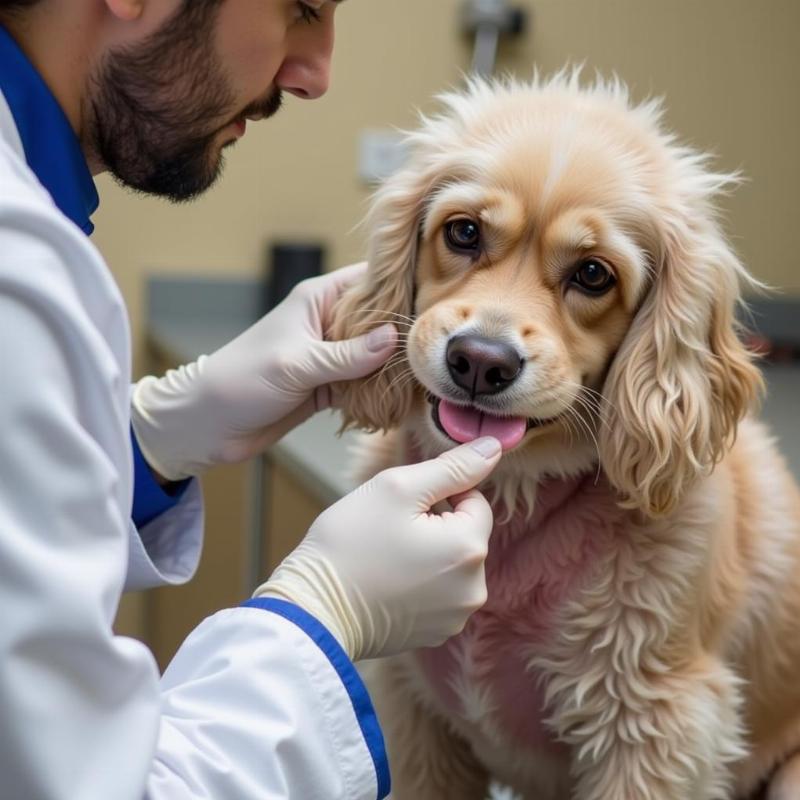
231 405
382 571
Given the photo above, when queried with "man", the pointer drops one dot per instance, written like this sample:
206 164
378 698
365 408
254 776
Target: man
261 701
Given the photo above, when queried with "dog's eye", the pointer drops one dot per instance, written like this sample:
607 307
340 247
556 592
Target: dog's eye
462 234
593 277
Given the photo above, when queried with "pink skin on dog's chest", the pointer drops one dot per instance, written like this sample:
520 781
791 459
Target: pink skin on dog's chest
534 566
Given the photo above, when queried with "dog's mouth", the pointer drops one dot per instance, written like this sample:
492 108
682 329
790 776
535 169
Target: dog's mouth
466 423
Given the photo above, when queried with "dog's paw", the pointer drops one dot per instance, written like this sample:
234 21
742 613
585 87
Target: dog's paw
785 784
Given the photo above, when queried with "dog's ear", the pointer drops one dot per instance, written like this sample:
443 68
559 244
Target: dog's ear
682 379
386 294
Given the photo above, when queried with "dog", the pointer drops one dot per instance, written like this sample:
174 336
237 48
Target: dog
555 262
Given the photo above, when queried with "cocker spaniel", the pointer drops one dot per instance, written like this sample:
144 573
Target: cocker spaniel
556 264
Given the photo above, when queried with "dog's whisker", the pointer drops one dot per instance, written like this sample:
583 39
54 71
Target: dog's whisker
584 425
587 389
372 324
376 378
576 400
591 408
392 316
369 310
398 383
592 436
573 430
404 381
375 322
402 371
599 397
399 353
574 411
568 427
395 361
591 402
366 325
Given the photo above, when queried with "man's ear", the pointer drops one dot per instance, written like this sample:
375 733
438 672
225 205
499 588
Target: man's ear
126 10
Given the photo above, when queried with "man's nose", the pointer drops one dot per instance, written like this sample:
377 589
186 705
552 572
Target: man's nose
306 70
306 81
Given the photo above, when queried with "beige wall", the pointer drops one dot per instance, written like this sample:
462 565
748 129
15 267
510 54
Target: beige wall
729 70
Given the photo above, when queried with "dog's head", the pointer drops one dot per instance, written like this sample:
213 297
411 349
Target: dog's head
555 264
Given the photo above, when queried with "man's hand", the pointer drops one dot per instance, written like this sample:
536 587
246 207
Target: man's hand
384 572
231 405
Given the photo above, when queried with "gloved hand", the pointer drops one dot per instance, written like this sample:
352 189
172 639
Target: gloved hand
382 571
229 406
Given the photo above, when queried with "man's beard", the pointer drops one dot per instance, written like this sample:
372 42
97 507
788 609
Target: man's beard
156 111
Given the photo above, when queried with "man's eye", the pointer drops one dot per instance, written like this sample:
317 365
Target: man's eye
307 13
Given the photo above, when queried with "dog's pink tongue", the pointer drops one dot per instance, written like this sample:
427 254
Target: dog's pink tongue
465 424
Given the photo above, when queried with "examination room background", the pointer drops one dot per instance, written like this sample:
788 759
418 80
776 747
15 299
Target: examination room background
729 70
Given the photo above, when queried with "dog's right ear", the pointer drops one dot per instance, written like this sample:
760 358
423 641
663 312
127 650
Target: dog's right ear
385 294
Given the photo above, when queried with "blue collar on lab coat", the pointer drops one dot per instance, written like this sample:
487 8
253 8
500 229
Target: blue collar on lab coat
53 152
52 149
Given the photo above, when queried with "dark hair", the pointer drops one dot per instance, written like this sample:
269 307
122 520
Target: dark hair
16 5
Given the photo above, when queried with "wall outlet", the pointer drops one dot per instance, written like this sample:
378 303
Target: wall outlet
381 152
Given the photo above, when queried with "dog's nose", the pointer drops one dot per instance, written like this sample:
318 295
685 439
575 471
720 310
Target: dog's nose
481 365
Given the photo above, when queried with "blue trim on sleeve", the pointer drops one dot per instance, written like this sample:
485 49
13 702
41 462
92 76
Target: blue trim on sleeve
362 705
149 498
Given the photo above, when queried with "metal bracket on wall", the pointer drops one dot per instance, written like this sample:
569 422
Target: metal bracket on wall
489 21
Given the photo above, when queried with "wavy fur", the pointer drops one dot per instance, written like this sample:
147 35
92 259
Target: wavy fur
640 637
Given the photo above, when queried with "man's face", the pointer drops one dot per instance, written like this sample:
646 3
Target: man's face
162 109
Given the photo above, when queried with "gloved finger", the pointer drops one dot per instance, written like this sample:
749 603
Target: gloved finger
338 280
345 277
332 285
472 506
455 499
453 472
353 358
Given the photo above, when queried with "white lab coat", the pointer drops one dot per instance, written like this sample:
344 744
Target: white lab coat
259 702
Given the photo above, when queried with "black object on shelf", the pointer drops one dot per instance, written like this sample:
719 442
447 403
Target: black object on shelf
290 263
771 328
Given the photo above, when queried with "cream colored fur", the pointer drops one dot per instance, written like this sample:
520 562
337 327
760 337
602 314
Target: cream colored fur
674 673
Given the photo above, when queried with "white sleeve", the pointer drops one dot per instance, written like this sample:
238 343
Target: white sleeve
253 705
167 550
80 707
268 688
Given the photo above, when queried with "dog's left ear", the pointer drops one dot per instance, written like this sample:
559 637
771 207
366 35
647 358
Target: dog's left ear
682 379
386 294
